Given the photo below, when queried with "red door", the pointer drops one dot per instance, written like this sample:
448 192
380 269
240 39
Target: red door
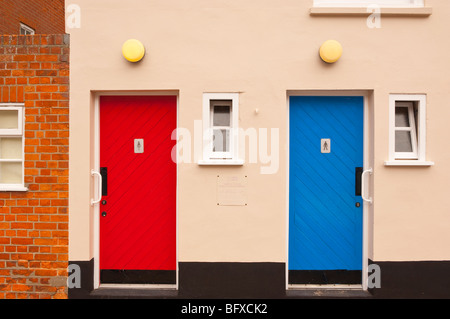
138 207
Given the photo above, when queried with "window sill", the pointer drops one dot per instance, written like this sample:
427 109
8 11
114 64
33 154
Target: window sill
335 11
408 163
230 162
13 189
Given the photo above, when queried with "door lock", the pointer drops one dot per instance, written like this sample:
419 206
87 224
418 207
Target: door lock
358 204
358 184
103 202
103 214
104 174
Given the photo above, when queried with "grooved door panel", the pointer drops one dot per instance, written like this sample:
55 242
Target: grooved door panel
138 231
325 224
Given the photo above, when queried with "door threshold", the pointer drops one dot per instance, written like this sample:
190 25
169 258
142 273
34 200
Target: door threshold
328 287
126 291
327 291
139 286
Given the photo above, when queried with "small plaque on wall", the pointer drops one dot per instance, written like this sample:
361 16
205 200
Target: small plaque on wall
231 190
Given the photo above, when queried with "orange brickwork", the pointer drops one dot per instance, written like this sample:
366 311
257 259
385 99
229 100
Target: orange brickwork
34 71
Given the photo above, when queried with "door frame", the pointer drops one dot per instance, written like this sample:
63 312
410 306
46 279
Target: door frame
96 209
366 206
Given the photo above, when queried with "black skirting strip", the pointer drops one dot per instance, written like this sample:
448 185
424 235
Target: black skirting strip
114 276
325 277
410 279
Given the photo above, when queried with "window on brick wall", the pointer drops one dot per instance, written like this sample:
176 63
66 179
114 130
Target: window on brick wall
26 30
11 148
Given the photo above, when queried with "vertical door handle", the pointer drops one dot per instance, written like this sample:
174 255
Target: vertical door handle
99 190
363 183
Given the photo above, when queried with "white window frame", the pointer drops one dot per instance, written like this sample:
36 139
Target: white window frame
366 3
18 132
220 158
418 155
28 30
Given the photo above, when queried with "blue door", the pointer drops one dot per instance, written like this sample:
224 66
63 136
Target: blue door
325 206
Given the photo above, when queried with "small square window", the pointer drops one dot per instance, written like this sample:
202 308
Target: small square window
26 30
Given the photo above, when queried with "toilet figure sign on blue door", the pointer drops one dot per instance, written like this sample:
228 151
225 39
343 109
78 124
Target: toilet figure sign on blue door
325 145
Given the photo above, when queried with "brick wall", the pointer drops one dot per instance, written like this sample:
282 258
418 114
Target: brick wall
44 16
34 70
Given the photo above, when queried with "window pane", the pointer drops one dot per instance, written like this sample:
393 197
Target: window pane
221 141
10 148
9 119
401 117
221 115
11 173
403 141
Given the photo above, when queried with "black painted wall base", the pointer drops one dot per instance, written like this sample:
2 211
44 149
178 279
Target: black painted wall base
413 279
152 277
232 280
425 279
86 280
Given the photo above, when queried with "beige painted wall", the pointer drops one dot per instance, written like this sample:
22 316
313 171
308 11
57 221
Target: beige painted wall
262 49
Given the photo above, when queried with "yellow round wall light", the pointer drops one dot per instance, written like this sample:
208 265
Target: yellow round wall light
133 50
330 51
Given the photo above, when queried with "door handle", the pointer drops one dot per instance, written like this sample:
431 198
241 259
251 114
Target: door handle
363 183
99 190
